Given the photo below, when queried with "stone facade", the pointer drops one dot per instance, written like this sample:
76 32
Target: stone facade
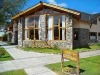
15 33
69 32
42 27
20 30
68 43
83 37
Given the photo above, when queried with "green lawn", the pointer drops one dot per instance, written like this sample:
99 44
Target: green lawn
42 50
56 51
14 72
91 47
88 66
5 56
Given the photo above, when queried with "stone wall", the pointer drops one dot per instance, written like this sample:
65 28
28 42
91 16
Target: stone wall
15 33
83 37
68 43
42 27
69 32
19 34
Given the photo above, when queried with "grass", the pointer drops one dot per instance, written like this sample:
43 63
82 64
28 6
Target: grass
88 66
6 55
14 72
58 51
42 50
91 47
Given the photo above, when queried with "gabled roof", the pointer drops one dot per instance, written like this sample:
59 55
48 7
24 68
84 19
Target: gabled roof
37 6
81 15
94 16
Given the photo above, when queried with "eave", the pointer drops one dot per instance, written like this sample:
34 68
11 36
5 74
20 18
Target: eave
39 5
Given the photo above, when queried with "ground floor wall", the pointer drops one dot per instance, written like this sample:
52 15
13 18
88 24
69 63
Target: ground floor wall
82 37
81 41
33 43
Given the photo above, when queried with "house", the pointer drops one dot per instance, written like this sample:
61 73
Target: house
95 28
53 24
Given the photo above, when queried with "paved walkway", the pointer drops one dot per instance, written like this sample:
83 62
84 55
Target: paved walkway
32 62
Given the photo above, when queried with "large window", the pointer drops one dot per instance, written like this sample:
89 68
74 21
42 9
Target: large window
56 27
33 25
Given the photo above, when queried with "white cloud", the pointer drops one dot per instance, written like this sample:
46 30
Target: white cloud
63 4
55 3
52 1
94 12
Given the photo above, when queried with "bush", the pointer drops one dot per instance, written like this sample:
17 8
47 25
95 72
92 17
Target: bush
56 46
2 52
5 37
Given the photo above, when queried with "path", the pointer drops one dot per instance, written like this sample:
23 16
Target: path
32 62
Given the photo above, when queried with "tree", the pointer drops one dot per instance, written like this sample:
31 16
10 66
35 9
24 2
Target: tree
8 8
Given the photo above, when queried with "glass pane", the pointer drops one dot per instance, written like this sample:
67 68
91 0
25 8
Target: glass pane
36 34
56 33
56 20
60 33
31 34
31 21
60 21
37 22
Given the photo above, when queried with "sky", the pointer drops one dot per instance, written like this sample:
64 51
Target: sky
87 6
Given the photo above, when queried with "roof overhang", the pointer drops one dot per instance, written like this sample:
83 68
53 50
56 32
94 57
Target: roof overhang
37 6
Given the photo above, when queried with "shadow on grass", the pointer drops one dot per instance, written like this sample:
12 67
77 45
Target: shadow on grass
81 70
87 47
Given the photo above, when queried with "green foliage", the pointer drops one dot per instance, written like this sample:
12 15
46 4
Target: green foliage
55 47
88 66
2 52
4 55
14 72
9 8
5 37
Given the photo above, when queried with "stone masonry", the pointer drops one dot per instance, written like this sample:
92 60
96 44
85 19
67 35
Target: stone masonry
69 32
68 43
83 37
42 27
20 33
15 33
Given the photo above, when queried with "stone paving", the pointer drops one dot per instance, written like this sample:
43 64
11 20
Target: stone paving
32 62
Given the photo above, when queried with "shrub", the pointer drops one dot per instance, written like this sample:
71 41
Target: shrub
5 37
2 52
56 46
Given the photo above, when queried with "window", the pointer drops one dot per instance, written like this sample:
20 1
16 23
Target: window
31 33
31 21
93 35
33 25
94 22
98 36
56 27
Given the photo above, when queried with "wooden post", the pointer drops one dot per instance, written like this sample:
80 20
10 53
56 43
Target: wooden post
62 62
78 64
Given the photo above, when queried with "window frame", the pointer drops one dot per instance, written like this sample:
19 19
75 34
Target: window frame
32 26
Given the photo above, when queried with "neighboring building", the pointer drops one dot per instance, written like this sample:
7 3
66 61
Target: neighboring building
53 24
95 28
